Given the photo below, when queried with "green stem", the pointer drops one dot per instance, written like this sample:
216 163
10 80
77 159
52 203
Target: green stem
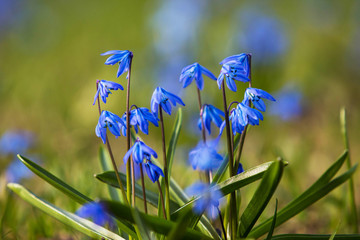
166 174
348 163
207 173
128 137
232 205
112 156
162 199
222 223
143 187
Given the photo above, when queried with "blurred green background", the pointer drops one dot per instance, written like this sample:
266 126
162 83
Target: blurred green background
305 53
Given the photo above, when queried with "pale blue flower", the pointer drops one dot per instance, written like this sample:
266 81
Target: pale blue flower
108 120
164 99
210 114
97 213
16 142
195 71
208 199
256 95
17 171
204 156
104 88
139 152
123 58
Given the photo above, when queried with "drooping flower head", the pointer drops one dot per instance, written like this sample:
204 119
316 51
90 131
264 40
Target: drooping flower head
123 58
195 71
204 156
241 116
210 114
97 213
164 99
104 88
15 142
256 95
140 117
234 68
153 171
208 199
139 152
108 120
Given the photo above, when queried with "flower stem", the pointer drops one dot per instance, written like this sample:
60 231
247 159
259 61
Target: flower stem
222 223
112 156
166 174
143 187
232 205
162 199
207 173
128 137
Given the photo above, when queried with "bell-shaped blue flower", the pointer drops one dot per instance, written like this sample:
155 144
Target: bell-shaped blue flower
208 200
164 99
104 88
97 213
140 117
204 156
153 171
240 169
108 120
256 95
234 68
210 114
195 71
123 58
139 152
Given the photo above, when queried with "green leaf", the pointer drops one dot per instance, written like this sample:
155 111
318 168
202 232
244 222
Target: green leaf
269 236
72 220
65 188
143 229
109 178
261 197
105 163
315 237
182 223
54 181
302 202
231 184
171 152
154 223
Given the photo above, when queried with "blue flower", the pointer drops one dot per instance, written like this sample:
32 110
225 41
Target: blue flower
124 59
17 171
15 142
97 212
195 71
204 156
165 99
234 68
108 120
210 114
142 117
255 95
139 152
289 103
241 116
208 199
104 88
240 169
153 171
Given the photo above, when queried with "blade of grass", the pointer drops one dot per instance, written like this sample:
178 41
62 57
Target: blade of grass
315 237
261 198
72 220
269 236
299 204
353 211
